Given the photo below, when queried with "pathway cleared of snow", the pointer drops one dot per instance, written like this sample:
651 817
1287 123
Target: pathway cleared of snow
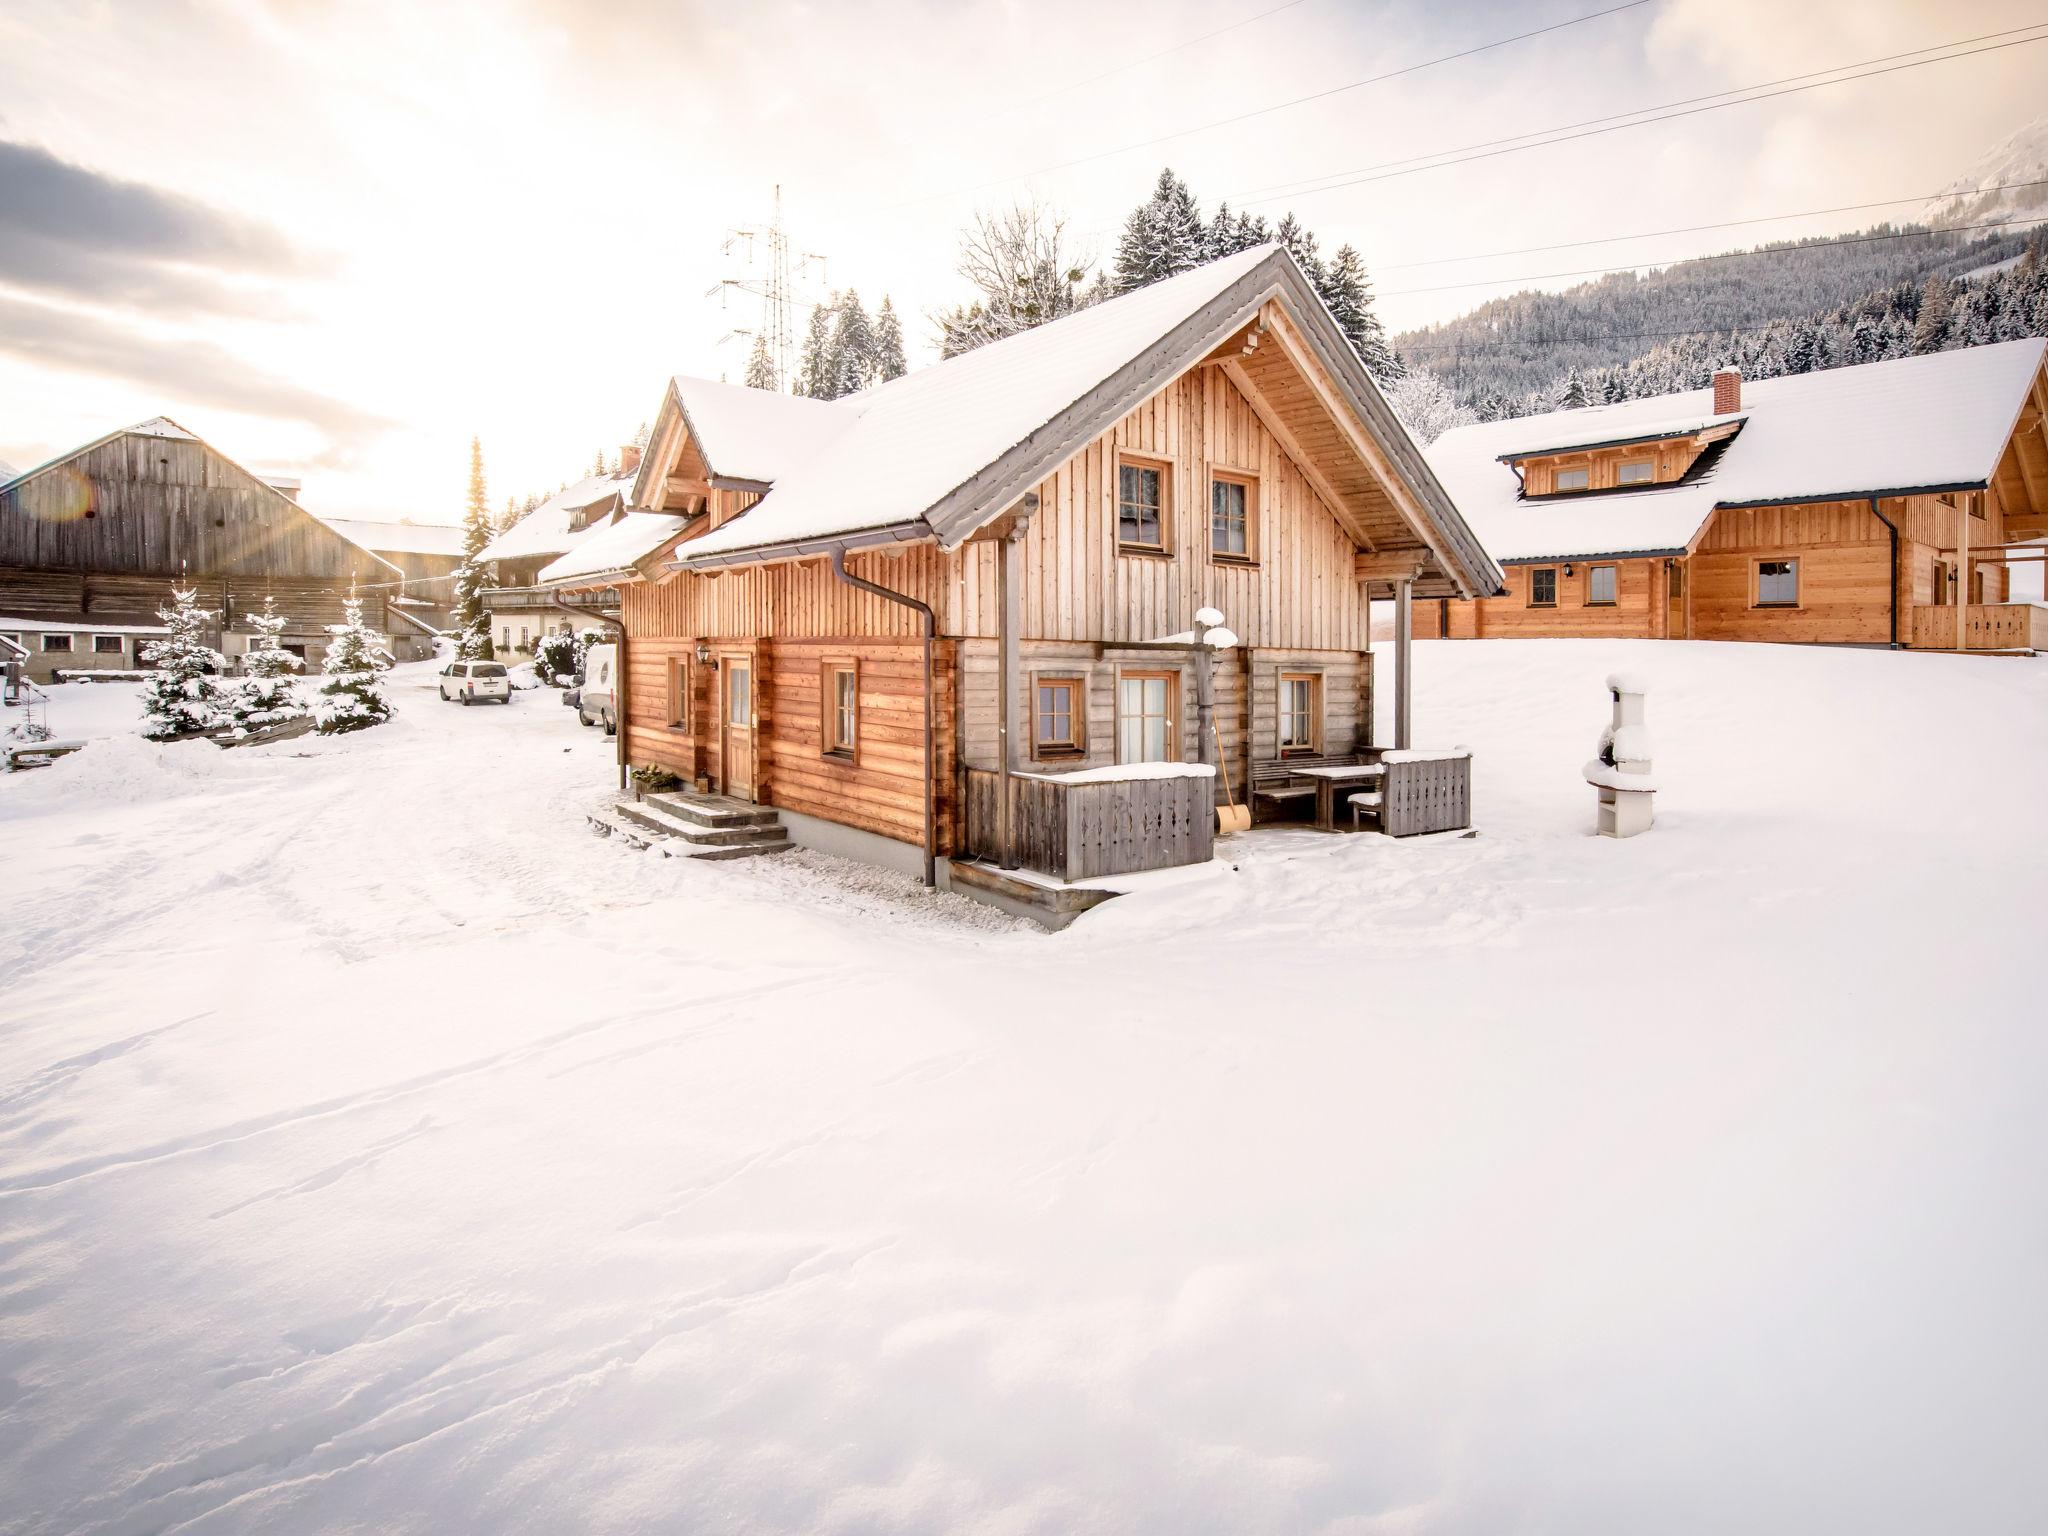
380 1151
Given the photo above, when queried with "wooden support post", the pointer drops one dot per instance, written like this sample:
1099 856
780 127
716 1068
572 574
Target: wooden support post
1963 574
1010 602
1205 698
1404 631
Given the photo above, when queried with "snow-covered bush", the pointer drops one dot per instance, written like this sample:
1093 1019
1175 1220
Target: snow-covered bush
1427 407
555 658
268 693
352 698
183 694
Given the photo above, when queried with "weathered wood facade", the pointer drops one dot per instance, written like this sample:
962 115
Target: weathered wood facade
98 539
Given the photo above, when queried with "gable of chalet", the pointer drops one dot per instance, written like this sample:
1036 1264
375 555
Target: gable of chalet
940 454
154 498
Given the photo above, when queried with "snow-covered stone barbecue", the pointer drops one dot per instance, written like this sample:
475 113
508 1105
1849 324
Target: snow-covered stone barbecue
1620 770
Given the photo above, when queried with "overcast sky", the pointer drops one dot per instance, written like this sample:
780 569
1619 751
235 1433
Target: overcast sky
340 238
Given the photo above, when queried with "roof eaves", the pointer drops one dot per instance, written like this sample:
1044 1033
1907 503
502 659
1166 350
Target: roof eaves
912 532
1593 554
1856 495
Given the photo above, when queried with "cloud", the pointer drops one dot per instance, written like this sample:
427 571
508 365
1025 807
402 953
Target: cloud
178 369
69 230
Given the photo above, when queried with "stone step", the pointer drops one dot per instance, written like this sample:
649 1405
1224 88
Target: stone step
744 850
657 818
712 810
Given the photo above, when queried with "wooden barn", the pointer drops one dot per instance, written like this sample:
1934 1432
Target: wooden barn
91 543
1884 504
948 623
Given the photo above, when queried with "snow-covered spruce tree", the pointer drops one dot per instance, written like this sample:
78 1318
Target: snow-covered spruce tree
889 359
183 694
760 366
1348 292
1930 327
817 370
473 577
1571 395
1163 235
853 346
268 691
1301 245
554 658
352 698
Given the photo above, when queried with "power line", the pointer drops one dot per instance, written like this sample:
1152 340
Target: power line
1592 133
1694 229
1241 117
1784 250
1307 184
1149 58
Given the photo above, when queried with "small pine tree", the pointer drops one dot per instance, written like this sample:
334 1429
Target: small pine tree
183 694
817 369
889 360
760 366
268 691
473 577
1930 329
1163 235
1571 396
1348 292
352 698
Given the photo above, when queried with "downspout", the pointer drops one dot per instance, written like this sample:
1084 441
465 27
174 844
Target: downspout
930 625
619 675
1877 512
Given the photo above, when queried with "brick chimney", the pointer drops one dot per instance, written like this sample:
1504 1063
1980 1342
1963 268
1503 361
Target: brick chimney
1727 391
629 459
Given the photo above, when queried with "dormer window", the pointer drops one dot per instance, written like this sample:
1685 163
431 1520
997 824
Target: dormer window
1573 479
1635 472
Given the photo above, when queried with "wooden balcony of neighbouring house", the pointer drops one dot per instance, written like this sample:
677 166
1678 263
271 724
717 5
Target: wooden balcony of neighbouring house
605 599
2011 628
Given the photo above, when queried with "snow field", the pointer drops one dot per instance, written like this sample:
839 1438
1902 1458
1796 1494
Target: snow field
380 1151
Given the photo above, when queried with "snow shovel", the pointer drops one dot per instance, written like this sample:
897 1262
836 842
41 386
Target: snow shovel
1231 817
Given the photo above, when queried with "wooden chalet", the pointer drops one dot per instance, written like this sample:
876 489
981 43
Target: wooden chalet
1876 505
91 544
523 611
947 623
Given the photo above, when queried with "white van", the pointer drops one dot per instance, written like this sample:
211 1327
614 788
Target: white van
473 680
598 703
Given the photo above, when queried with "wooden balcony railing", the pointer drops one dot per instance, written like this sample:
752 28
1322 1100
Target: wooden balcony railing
1075 828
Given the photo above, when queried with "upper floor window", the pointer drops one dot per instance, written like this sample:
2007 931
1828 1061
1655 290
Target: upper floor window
1600 586
1777 584
1635 472
1233 506
1543 587
1141 509
1572 479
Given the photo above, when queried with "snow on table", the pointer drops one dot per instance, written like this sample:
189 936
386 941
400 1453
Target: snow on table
374 1157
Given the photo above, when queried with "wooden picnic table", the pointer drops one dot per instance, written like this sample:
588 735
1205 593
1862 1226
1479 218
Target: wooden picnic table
1329 781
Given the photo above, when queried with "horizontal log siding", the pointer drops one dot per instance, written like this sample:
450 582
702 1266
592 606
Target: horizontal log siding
1844 555
308 604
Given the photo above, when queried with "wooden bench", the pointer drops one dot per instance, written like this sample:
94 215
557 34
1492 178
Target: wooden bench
1279 779
37 754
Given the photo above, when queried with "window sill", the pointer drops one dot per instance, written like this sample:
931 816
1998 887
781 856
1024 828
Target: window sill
1541 605
1603 605
1145 551
838 756
1059 754
1780 607
1241 562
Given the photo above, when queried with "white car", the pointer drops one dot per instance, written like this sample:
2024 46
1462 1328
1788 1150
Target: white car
470 681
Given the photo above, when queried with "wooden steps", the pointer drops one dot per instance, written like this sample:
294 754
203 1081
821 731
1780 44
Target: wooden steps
705 826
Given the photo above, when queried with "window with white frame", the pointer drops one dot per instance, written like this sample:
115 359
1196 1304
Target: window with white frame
106 645
56 642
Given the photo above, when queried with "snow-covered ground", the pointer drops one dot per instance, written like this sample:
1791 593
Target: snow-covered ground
381 1152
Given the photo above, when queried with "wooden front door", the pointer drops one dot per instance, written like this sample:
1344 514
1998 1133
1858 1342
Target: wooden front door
1675 578
736 729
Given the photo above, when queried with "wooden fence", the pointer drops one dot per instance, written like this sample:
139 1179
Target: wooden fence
1432 795
1987 626
1073 831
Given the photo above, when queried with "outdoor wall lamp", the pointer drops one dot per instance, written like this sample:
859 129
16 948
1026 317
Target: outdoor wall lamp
703 654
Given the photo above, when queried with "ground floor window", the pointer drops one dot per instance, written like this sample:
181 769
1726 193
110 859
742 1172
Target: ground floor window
106 645
505 638
1147 704
1301 713
1675 574
1777 584
840 690
56 642
525 637
1601 586
678 693
1543 587
1057 717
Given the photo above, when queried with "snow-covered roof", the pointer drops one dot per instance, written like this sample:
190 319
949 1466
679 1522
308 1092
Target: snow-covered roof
82 625
6 471
162 426
905 444
404 537
1911 424
616 546
1574 432
756 434
545 530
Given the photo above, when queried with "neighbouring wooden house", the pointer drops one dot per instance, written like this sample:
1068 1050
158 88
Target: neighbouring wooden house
427 556
522 611
91 543
946 623
1874 505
